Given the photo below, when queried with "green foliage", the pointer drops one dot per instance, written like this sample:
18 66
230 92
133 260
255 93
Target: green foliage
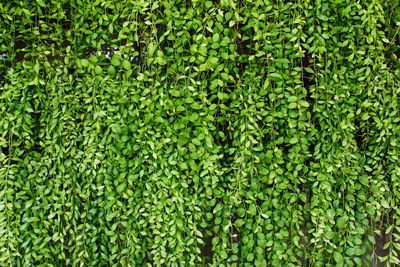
243 133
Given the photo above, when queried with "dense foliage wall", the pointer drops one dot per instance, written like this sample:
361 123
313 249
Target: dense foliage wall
245 133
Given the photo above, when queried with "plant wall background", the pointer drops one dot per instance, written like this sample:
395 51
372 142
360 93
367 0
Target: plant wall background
240 133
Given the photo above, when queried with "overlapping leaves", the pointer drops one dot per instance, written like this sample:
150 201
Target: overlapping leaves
247 133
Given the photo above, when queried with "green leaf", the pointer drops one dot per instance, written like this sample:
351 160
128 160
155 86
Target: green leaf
84 62
225 41
293 140
309 70
218 208
364 180
323 18
252 210
98 70
215 37
270 243
338 258
152 49
275 75
115 60
202 50
121 188
41 3
213 60
195 105
126 64
93 59
111 70
304 104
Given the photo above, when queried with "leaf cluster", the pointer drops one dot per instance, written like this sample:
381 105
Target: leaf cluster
180 133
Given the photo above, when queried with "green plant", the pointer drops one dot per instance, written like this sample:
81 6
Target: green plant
243 133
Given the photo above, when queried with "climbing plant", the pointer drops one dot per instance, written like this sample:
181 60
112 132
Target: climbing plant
180 133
